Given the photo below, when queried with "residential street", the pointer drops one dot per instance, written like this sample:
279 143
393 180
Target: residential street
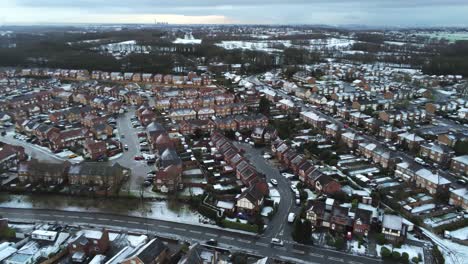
128 136
32 150
244 242
278 227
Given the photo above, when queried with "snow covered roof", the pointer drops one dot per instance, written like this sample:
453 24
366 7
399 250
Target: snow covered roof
393 222
434 178
462 159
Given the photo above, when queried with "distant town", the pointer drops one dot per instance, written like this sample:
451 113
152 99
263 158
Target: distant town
234 145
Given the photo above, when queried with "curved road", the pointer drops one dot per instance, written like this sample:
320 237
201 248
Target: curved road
253 244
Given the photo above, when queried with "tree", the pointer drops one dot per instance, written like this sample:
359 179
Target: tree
461 147
438 257
385 253
302 230
415 260
264 106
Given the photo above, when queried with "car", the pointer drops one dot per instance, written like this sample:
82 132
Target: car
293 188
462 182
126 147
72 156
144 143
149 179
267 156
277 241
147 183
138 158
212 242
419 160
298 201
287 175
297 194
274 182
122 136
291 217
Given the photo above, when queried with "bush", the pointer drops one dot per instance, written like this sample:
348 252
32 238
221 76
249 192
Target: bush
404 257
239 226
339 243
385 253
396 255
380 238
415 260
8 233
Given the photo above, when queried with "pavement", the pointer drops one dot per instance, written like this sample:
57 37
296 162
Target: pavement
254 244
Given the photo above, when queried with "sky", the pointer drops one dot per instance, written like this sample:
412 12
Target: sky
330 12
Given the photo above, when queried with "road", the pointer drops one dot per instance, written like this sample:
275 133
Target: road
278 226
243 242
32 150
128 136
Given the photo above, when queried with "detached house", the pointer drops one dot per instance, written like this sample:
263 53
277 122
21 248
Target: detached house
250 201
393 228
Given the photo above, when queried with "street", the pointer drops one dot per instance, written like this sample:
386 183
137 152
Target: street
278 226
128 136
231 239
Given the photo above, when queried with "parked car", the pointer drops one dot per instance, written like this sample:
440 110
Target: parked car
298 201
139 158
147 183
291 217
293 188
274 182
126 147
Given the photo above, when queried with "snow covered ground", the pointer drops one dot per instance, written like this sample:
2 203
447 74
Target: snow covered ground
413 251
356 249
454 253
160 210
278 45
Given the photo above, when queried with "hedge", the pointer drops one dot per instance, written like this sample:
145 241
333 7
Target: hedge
239 226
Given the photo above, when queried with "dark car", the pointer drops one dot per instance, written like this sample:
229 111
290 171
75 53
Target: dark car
212 242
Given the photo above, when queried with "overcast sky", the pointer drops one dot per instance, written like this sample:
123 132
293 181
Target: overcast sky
332 12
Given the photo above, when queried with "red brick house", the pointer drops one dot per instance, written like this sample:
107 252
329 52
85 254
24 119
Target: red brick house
95 149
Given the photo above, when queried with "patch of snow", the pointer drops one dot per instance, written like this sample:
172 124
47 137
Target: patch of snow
266 211
413 251
136 240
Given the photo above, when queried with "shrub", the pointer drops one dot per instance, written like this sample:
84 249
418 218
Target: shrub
339 243
396 255
404 257
385 253
380 238
415 260
240 226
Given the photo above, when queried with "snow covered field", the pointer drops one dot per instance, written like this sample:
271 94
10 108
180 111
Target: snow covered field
278 45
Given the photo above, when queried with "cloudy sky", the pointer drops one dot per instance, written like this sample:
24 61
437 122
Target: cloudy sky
332 12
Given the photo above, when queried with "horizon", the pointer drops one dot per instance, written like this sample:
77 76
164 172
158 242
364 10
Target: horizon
418 13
